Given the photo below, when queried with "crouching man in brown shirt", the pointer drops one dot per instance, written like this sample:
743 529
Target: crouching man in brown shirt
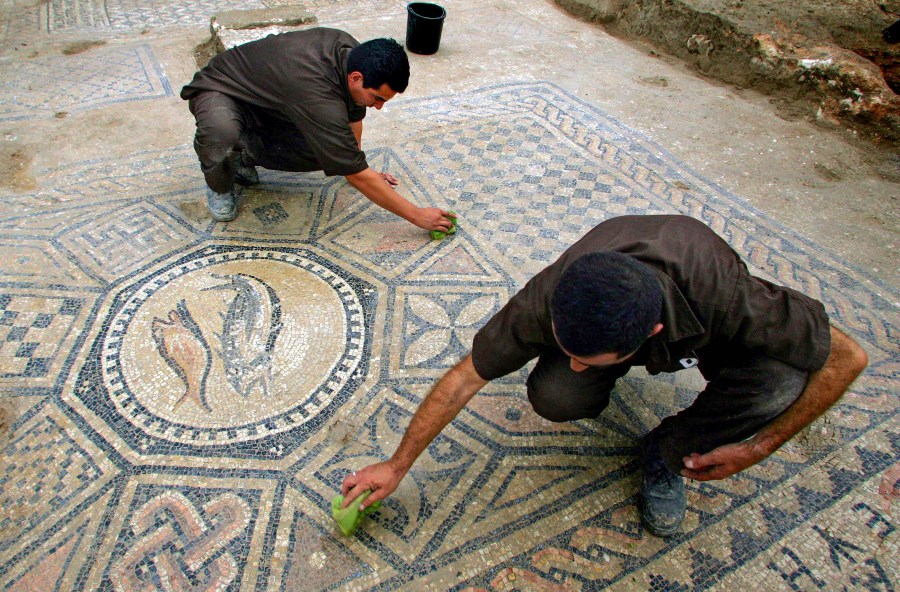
667 293
295 102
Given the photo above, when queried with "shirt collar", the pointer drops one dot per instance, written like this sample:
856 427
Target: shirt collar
678 320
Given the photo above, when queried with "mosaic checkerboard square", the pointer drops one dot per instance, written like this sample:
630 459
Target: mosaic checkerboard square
32 328
271 214
531 193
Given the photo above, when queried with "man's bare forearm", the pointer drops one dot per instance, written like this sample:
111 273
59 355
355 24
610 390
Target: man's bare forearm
824 388
442 404
845 362
378 191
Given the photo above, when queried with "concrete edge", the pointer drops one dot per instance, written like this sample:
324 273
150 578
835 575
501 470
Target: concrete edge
235 27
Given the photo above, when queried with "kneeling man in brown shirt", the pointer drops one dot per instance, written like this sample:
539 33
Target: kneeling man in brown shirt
295 102
667 293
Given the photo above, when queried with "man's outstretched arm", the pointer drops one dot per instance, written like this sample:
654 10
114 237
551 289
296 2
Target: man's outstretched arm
442 404
379 191
826 385
357 128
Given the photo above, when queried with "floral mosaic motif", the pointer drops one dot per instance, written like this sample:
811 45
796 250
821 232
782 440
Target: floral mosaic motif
438 326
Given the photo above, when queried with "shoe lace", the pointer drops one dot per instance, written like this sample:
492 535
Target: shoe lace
658 471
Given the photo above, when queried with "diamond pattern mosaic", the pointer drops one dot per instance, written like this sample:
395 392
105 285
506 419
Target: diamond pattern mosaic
72 83
199 390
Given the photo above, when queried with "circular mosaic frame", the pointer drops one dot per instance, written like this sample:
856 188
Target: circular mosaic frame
149 433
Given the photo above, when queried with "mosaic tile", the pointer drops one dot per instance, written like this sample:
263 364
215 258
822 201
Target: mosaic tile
36 263
65 14
337 10
434 326
203 388
140 14
59 560
227 345
17 23
80 82
108 246
46 475
38 329
176 533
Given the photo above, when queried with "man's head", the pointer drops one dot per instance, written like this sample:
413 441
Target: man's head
377 70
604 307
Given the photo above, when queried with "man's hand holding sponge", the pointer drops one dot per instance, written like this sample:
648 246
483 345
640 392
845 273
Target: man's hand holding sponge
349 518
438 234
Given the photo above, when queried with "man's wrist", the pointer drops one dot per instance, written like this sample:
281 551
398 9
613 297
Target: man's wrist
398 466
765 444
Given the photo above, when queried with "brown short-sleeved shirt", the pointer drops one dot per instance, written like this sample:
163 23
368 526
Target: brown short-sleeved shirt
714 311
299 77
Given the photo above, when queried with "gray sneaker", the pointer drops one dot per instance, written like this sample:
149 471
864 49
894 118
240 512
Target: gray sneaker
223 206
244 174
662 496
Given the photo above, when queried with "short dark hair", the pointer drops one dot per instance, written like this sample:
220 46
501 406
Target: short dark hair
605 303
380 61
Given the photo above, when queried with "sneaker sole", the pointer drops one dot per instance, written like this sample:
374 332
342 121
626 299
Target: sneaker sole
226 218
655 530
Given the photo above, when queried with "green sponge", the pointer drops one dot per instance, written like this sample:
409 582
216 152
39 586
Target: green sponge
348 518
439 234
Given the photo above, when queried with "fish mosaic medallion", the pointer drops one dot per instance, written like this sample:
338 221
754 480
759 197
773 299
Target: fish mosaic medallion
227 346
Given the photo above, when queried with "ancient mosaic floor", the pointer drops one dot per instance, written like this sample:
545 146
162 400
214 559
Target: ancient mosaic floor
195 392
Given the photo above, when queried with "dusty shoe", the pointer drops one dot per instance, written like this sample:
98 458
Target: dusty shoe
223 206
662 499
244 174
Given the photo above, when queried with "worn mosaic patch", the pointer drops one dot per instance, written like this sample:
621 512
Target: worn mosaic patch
202 388
71 83
25 20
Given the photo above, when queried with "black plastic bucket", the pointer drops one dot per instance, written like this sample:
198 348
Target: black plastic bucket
424 23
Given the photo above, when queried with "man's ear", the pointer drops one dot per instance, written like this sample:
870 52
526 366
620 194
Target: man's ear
355 77
656 329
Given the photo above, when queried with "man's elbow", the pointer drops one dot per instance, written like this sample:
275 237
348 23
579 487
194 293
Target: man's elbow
860 359
360 174
848 353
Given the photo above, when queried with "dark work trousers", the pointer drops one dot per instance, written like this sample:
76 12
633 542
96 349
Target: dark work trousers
738 400
227 128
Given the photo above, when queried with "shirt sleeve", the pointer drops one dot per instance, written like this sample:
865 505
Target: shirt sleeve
326 130
779 321
513 337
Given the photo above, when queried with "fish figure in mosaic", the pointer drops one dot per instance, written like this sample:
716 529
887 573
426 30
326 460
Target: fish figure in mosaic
182 345
250 327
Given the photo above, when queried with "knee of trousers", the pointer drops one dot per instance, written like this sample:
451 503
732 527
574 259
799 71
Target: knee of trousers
214 144
553 404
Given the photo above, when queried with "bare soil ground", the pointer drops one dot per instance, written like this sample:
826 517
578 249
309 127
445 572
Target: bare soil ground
823 59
